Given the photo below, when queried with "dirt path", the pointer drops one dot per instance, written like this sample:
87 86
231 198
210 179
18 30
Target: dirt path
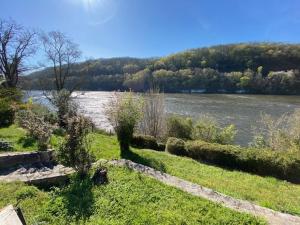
272 217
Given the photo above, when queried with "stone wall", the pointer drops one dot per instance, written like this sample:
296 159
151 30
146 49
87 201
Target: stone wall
12 159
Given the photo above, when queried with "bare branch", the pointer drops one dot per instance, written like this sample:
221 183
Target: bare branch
62 53
16 44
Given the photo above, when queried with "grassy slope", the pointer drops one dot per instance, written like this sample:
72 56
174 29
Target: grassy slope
265 191
129 198
17 136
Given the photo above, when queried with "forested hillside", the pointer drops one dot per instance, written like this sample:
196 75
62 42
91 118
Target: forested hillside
271 68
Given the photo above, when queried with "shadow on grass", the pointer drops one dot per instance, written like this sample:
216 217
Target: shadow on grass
155 164
78 198
26 141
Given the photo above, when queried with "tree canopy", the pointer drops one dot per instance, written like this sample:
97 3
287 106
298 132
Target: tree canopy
271 68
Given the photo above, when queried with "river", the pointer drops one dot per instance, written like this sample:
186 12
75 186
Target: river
242 110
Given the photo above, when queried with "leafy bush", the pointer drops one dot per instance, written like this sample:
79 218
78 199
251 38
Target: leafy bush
179 127
176 146
161 146
124 112
144 141
36 126
9 98
75 151
44 112
7 113
66 108
278 134
283 165
208 129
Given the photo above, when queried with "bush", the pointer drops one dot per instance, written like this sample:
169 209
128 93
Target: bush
124 112
7 113
278 134
161 147
179 127
75 151
9 98
207 129
283 165
176 146
66 108
144 141
36 126
153 121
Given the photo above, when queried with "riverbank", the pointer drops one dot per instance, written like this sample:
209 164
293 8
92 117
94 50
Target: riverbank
264 191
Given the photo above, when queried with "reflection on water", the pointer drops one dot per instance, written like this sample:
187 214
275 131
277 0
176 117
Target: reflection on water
242 110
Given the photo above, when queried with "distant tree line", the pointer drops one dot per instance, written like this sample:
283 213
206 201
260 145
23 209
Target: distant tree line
270 68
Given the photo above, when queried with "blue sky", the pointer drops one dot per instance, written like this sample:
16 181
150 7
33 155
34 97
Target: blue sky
144 28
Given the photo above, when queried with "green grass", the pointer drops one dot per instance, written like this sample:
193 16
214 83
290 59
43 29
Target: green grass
17 136
265 191
129 198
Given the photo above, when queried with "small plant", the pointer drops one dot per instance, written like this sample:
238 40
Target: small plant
124 112
179 127
75 151
36 126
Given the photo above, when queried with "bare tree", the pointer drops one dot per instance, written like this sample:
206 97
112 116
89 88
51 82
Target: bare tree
16 45
62 53
153 122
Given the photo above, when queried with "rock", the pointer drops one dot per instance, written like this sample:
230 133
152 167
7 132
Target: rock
5 146
32 170
100 176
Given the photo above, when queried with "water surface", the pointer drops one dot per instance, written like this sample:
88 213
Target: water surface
242 110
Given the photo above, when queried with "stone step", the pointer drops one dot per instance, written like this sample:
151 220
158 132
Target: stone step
44 175
13 159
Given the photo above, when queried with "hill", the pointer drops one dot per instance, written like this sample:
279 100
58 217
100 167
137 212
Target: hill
268 68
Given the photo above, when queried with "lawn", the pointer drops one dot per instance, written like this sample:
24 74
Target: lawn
265 191
129 198
17 137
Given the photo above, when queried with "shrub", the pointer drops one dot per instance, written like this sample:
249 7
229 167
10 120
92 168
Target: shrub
176 146
44 112
179 127
36 126
153 121
124 112
278 134
161 146
66 108
283 165
7 113
75 151
9 98
208 129
144 141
